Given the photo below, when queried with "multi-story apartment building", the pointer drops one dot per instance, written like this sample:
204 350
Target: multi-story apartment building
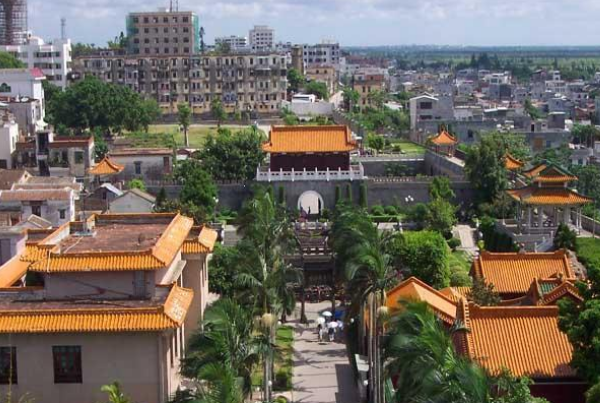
243 81
234 42
261 37
324 53
163 33
366 81
53 59
324 73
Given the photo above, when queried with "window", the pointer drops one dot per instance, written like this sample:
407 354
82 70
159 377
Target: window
36 209
67 364
426 105
62 214
79 157
138 167
8 365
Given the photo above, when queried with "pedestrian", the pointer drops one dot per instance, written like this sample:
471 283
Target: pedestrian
320 332
330 333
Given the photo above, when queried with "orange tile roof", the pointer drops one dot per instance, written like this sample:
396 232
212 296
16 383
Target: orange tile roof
203 243
160 255
123 316
455 294
512 163
416 290
530 173
512 273
12 271
525 340
548 196
566 288
304 139
24 195
444 138
106 167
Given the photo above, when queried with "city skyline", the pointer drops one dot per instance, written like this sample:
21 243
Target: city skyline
381 22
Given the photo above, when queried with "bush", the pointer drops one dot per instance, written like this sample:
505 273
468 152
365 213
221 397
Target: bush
453 243
459 277
378 210
283 380
391 210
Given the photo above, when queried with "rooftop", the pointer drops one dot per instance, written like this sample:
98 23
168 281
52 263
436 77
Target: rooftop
444 138
9 177
512 163
303 139
524 340
548 196
106 167
512 273
40 195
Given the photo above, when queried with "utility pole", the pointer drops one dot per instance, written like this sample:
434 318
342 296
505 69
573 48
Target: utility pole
63 28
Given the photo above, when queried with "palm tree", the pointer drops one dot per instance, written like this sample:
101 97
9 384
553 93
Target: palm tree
228 337
115 395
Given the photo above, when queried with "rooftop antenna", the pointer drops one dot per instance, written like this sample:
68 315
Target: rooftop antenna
171 6
63 28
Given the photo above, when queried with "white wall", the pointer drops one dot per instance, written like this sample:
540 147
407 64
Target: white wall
9 135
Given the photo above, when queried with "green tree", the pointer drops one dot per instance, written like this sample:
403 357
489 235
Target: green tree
221 276
217 111
100 146
226 338
223 48
376 142
580 321
161 198
485 169
593 394
351 98
115 395
136 184
281 195
483 294
349 193
440 188
377 99
589 180
295 80
565 238
425 255
338 194
229 156
184 117
317 88
441 217
585 134
363 196
8 61
533 112
198 188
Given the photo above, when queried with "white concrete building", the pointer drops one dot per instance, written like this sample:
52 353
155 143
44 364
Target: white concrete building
235 42
324 53
54 58
261 37
54 205
133 201
9 135
22 83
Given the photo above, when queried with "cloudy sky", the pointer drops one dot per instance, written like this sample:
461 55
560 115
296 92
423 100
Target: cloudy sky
351 22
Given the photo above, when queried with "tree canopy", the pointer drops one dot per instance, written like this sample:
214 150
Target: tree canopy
8 61
317 88
295 80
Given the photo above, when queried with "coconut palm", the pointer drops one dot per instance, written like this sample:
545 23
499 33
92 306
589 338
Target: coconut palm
228 337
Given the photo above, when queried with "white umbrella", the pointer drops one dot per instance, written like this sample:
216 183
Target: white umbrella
332 325
327 314
321 320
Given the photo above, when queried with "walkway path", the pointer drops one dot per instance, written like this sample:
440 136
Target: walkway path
322 373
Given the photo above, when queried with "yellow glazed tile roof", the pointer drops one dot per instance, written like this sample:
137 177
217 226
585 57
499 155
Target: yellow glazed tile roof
12 271
548 196
305 139
416 290
160 255
444 139
65 317
106 167
512 163
513 273
456 293
525 340
533 172
203 243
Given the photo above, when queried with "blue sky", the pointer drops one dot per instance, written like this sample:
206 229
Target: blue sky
351 22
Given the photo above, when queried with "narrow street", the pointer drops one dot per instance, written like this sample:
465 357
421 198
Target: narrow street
322 373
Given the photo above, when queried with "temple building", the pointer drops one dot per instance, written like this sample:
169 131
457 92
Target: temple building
443 143
512 164
310 153
131 287
105 170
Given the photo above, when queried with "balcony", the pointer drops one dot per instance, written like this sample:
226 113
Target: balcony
264 174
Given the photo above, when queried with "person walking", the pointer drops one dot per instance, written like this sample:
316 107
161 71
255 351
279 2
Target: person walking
320 332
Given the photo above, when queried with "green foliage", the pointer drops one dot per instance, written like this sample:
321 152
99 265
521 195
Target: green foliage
82 49
440 188
119 42
391 210
338 194
398 121
221 276
295 80
199 190
161 198
588 251
136 184
424 254
90 103
363 196
230 156
184 117
493 240
317 88
510 389
418 214
580 321
565 238
483 294
377 210
585 134
100 146
441 217
284 343
395 169
453 243
115 395
593 394
375 142
589 180
560 156
532 111
217 111
8 61
350 97
349 193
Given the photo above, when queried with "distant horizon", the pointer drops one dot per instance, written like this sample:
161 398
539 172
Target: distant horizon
352 23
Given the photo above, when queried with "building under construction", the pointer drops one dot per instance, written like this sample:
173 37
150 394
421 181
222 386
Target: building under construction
13 22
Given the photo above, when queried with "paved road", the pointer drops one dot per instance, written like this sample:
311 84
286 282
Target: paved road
322 373
466 234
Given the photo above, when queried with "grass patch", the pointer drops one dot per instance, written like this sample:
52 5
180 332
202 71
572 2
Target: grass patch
460 265
169 135
284 362
408 147
588 251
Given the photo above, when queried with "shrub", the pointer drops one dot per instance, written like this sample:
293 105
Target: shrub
377 210
454 243
283 380
459 277
391 210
